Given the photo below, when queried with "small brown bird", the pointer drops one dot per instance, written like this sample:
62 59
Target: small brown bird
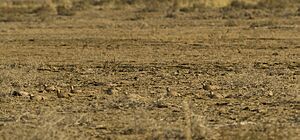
215 95
111 91
49 88
206 87
211 88
73 90
37 97
171 92
19 93
61 94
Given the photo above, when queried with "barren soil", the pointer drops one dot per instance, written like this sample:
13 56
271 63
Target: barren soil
121 63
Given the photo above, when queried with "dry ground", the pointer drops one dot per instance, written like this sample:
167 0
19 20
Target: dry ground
253 59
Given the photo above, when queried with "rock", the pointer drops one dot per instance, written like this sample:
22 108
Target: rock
19 93
297 72
177 72
239 50
31 40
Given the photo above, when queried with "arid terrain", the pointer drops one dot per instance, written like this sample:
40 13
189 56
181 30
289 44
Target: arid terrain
107 72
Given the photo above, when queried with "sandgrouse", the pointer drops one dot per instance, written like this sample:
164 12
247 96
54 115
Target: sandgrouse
61 94
211 88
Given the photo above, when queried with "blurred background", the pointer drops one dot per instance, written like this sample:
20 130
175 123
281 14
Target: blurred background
11 9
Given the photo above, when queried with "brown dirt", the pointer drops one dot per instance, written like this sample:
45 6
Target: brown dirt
121 62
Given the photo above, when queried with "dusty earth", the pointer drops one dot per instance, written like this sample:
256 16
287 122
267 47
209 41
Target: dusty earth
140 75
